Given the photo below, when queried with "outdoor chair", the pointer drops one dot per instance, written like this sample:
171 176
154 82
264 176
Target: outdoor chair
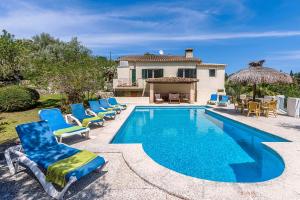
158 98
269 108
80 116
97 110
224 101
113 101
213 99
185 98
253 108
104 104
174 97
51 162
58 124
239 105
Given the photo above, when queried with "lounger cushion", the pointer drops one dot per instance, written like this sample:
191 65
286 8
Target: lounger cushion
86 121
86 169
214 97
113 101
70 129
95 106
55 118
40 146
104 103
78 111
48 156
109 113
36 136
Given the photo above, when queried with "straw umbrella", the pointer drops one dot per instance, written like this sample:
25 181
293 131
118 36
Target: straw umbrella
257 74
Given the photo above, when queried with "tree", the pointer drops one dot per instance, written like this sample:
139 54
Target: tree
12 59
67 67
109 70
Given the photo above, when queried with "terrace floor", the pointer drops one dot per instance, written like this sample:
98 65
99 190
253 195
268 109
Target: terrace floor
131 174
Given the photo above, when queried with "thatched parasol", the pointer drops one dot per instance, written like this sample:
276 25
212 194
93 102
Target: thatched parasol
257 74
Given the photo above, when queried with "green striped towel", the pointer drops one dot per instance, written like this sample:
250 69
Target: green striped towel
56 173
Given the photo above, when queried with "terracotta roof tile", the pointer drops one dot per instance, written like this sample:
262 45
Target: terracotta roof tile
158 58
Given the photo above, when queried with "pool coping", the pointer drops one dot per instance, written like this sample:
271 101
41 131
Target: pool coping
186 187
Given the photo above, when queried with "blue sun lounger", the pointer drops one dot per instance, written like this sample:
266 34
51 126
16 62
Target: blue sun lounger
58 124
213 99
104 104
224 101
97 110
113 101
39 150
82 118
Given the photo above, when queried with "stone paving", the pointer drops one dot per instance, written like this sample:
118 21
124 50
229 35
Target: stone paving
116 181
132 174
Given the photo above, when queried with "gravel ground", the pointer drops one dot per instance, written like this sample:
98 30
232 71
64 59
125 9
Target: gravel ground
116 181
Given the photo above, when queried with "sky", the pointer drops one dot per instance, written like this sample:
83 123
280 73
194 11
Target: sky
233 32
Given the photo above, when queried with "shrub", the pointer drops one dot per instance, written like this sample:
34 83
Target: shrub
16 98
34 93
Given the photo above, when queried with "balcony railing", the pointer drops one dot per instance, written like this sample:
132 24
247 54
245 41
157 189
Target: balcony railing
125 83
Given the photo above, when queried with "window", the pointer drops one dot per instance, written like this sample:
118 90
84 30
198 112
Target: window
212 72
158 73
187 73
152 73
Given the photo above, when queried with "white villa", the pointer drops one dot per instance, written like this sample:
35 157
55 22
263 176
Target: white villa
149 74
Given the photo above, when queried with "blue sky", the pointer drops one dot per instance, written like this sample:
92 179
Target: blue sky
222 31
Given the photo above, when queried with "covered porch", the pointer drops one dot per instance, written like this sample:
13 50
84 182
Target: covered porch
172 89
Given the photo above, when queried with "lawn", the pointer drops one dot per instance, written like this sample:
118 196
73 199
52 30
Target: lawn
8 121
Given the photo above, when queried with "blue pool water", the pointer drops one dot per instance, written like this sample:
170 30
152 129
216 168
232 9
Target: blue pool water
202 144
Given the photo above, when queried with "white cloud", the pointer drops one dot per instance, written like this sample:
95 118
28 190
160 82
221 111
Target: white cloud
107 40
286 55
130 25
26 19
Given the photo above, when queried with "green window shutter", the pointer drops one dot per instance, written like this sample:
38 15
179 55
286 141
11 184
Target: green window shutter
150 73
158 73
180 73
161 72
144 73
187 73
195 73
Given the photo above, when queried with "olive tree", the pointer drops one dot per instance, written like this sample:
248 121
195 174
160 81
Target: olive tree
12 57
67 67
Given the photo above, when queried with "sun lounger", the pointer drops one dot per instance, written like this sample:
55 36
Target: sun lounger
59 125
224 101
113 101
40 152
213 99
82 118
104 104
97 110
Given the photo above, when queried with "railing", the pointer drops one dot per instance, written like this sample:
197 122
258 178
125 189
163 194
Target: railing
125 82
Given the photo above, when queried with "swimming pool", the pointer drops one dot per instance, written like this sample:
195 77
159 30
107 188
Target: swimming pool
199 143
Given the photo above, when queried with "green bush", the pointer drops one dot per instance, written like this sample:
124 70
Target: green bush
16 98
34 94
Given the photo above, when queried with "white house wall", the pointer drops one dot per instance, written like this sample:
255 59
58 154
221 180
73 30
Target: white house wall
208 85
123 72
205 87
170 69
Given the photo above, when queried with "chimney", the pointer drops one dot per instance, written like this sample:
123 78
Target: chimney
189 53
